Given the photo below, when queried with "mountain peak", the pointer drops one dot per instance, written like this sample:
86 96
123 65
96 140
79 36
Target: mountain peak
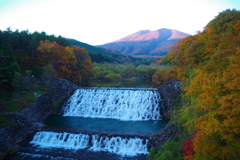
145 35
143 32
146 43
178 35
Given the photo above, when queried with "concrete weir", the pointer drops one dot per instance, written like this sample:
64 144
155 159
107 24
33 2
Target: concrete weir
123 104
114 103
131 104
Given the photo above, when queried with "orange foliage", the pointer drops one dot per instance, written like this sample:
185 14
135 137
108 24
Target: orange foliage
209 62
69 62
162 76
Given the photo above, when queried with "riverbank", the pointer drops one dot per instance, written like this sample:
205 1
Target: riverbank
31 119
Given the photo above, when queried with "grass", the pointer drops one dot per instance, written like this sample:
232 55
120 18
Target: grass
165 67
13 101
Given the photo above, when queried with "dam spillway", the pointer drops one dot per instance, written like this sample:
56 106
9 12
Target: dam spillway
123 104
119 145
103 124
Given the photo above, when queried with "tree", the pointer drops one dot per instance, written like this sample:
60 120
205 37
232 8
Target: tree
129 71
209 65
84 64
113 76
48 71
17 82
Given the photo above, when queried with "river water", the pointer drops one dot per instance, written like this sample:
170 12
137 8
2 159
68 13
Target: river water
99 123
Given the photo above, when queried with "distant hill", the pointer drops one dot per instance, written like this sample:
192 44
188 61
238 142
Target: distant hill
146 43
92 49
100 55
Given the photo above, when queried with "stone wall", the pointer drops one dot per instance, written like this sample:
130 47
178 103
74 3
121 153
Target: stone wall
31 119
170 93
160 137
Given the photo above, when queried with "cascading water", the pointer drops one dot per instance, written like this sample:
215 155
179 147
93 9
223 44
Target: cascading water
121 146
103 106
117 145
118 104
61 140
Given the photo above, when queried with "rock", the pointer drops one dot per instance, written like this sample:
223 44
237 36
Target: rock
160 137
31 119
37 95
170 92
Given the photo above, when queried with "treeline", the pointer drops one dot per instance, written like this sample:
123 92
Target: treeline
208 64
127 72
41 55
47 56
102 55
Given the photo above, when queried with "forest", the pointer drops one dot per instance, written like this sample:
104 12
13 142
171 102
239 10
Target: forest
208 65
27 58
41 55
103 55
48 56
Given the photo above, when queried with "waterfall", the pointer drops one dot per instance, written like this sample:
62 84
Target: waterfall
118 104
117 145
61 140
121 146
126 110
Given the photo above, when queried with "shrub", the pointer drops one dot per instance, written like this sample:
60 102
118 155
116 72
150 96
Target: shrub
113 76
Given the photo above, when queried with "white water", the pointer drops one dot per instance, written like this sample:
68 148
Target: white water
120 146
61 140
117 104
117 145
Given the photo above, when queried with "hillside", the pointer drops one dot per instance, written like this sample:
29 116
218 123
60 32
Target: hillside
208 64
92 49
146 44
99 54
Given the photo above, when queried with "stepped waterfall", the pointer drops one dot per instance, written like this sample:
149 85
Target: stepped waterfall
133 106
118 145
118 104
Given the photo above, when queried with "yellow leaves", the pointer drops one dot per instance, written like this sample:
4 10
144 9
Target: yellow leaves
209 64
213 146
46 46
64 69
237 27
220 106
214 93
69 62
232 75
71 55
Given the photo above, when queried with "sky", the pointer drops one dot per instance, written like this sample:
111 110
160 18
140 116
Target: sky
98 22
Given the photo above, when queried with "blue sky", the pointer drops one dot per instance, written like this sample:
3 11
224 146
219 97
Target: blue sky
101 21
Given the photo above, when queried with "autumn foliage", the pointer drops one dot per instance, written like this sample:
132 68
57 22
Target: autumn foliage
188 149
72 63
44 55
208 64
161 76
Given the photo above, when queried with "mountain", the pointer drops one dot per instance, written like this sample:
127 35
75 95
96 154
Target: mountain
92 49
101 55
146 43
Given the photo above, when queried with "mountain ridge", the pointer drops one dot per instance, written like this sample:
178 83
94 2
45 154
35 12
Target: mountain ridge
146 43
100 55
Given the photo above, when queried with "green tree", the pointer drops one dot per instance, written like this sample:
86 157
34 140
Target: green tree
17 82
113 76
129 71
48 71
